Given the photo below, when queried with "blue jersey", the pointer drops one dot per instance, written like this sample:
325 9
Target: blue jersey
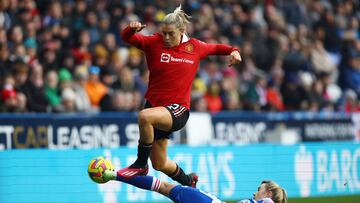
185 194
265 200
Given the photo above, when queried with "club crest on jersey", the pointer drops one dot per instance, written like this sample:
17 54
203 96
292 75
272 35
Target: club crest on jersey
189 47
165 58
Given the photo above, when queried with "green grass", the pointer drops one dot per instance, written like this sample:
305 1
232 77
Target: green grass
334 199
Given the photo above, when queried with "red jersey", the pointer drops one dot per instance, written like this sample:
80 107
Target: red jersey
172 70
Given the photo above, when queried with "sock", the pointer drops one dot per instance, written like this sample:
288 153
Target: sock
142 156
180 176
143 182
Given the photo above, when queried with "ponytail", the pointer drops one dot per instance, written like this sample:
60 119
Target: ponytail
178 17
284 196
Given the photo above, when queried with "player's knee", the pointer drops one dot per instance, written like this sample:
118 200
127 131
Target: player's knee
143 118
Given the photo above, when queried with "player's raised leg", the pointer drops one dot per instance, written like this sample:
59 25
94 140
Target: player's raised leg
162 163
148 119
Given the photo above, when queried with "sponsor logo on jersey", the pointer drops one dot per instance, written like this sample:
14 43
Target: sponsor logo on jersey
166 58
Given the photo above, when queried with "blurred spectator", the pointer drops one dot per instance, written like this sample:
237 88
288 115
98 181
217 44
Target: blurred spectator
8 94
31 49
67 9
68 61
91 21
5 62
21 103
135 59
321 60
331 35
104 23
212 97
317 97
16 37
127 81
107 76
101 55
94 87
51 88
290 91
20 72
274 98
308 96
351 103
118 101
113 102
210 71
199 89
255 96
81 52
3 37
78 15
68 100
280 39
350 72
9 100
82 99
199 104
65 79
53 15
5 17
34 90
230 94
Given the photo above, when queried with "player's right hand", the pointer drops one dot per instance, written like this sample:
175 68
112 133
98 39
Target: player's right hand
136 26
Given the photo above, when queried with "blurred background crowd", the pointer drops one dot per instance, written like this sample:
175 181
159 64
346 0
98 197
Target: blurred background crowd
67 55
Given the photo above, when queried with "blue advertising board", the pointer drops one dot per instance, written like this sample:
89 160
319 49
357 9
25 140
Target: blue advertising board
111 130
253 127
68 131
229 172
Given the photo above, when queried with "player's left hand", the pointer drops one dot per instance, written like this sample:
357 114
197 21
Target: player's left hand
234 58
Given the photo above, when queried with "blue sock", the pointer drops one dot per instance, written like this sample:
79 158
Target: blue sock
143 182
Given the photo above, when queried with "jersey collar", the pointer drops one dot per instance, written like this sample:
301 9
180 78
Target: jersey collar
184 38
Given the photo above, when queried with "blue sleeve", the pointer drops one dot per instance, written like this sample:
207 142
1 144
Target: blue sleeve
265 200
247 201
184 194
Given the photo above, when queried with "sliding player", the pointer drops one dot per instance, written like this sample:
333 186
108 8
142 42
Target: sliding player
268 191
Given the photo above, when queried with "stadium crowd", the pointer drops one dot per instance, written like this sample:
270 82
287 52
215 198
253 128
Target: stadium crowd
67 55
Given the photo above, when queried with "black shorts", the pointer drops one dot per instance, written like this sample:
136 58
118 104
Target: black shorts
179 114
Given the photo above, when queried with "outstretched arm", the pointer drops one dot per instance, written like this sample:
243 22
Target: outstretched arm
220 49
129 35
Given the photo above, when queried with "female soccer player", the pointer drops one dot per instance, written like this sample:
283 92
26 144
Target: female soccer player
268 191
172 60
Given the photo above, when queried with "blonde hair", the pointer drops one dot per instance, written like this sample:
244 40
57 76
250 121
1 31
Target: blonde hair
178 17
278 193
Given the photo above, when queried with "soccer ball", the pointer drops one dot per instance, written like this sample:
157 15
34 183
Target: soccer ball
96 168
